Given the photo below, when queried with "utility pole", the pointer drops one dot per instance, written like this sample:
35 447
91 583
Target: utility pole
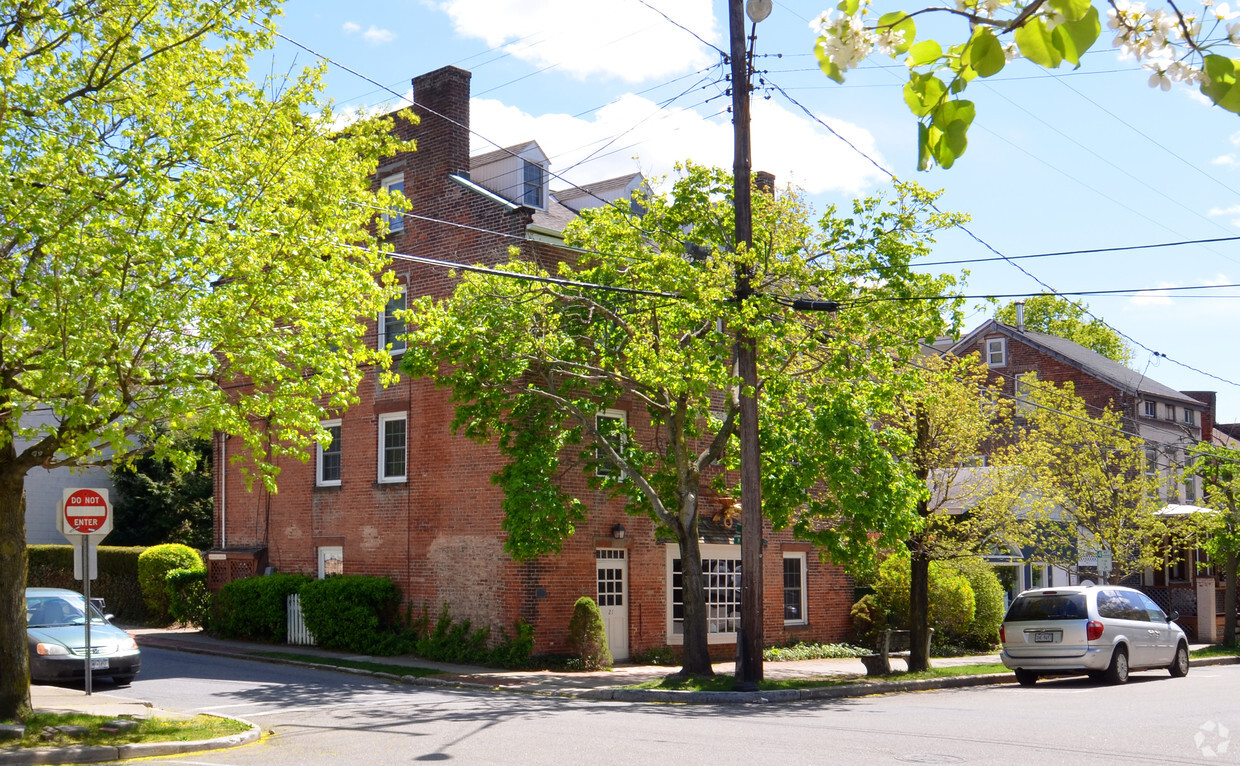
749 639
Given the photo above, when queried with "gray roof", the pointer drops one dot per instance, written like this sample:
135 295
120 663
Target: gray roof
1088 360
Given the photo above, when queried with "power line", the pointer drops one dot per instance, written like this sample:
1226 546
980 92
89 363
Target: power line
1084 251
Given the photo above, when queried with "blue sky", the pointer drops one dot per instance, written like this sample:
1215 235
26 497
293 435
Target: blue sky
1057 161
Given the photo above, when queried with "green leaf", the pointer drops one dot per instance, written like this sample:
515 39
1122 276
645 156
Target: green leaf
899 21
1035 44
1073 38
849 7
985 53
828 67
924 156
923 92
953 120
1073 10
1221 85
924 52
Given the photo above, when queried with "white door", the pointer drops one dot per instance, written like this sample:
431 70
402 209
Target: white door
613 602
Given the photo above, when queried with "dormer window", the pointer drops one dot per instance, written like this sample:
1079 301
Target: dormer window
534 185
1190 416
1151 408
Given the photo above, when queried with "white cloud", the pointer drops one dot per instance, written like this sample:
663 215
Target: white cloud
652 139
373 35
1235 138
1158 298
1229 161
624 39
1234 210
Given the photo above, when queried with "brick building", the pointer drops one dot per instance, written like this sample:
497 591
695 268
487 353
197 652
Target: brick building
397 494
1170 421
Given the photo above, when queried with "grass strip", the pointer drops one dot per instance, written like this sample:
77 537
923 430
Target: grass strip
725 683
189 729
1217 650
374 667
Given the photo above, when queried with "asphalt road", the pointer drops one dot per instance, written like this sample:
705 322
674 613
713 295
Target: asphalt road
327 717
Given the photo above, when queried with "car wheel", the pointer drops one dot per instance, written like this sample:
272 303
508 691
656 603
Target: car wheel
1117 673
1179 665
1026 677
122 680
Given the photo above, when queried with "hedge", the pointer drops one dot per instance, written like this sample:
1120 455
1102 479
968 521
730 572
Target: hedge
355 612
51 566
153 567
255 607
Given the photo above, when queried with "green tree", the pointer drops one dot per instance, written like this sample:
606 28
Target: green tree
1174 45
1063 318
168 227
531 365
1094 487
1219 469
157 501
953 416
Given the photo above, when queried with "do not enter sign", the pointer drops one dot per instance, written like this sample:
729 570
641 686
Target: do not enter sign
86 512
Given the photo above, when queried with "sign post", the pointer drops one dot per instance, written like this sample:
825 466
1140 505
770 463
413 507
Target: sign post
85 518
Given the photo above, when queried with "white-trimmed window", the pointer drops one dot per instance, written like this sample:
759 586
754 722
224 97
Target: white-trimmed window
1190 416
392 326
1021 389
393 440
1190 490
533 185
1151 462
1151 408
395 220
996 352
794 589
721 581
327 459
331 560
1170 412
612 424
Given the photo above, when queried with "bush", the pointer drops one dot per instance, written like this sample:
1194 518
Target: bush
254 607
154 564
983 631
951 597
868 618
804 651
188 596
51 566
353 612
587 635
450 641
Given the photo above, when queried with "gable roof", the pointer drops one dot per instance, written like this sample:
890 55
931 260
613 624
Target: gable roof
1084 359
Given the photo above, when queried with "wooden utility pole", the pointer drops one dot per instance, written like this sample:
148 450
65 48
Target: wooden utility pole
749 639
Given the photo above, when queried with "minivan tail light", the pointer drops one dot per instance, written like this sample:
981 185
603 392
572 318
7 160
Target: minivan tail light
1002 635
1093 630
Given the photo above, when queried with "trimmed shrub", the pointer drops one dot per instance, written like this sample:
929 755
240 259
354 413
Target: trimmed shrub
51 566
353 612
154 564
451 641
983 631
255 607
868 618
951 597
188 596
587 636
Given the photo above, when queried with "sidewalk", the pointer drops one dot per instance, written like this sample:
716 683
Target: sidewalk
557 683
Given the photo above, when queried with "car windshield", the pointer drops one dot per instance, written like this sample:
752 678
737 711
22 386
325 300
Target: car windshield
49 611
1048 606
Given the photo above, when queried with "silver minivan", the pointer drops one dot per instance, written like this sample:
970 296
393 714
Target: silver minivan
1102 630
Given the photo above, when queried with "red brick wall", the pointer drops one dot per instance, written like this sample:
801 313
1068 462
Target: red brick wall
438 535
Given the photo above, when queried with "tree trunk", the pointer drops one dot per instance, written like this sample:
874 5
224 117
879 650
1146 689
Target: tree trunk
696 655
1229 609
919 608
14 665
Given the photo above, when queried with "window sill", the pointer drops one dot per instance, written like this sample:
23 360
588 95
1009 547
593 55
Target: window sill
328 485
392 482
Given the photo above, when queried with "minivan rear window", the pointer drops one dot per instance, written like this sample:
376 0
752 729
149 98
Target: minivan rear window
1060 606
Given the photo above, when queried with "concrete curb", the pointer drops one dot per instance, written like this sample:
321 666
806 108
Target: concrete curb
105 753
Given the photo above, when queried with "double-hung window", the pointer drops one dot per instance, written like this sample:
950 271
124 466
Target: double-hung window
393 441
1151 408
533 182
327 459
611 426
996 352
1190 416
395 219
794 589
392 326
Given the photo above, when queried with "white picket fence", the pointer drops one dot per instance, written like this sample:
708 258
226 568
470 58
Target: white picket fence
297 633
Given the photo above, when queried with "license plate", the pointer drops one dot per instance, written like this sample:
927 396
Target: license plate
1044 637
99 664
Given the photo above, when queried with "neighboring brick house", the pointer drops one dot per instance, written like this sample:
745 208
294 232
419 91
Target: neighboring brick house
397 494
1170 421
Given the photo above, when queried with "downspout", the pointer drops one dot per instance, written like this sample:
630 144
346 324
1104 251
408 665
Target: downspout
223 490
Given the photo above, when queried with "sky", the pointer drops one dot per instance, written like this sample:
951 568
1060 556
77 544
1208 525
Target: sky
1065 160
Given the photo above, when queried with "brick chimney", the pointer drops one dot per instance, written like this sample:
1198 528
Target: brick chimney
764 181
441 101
